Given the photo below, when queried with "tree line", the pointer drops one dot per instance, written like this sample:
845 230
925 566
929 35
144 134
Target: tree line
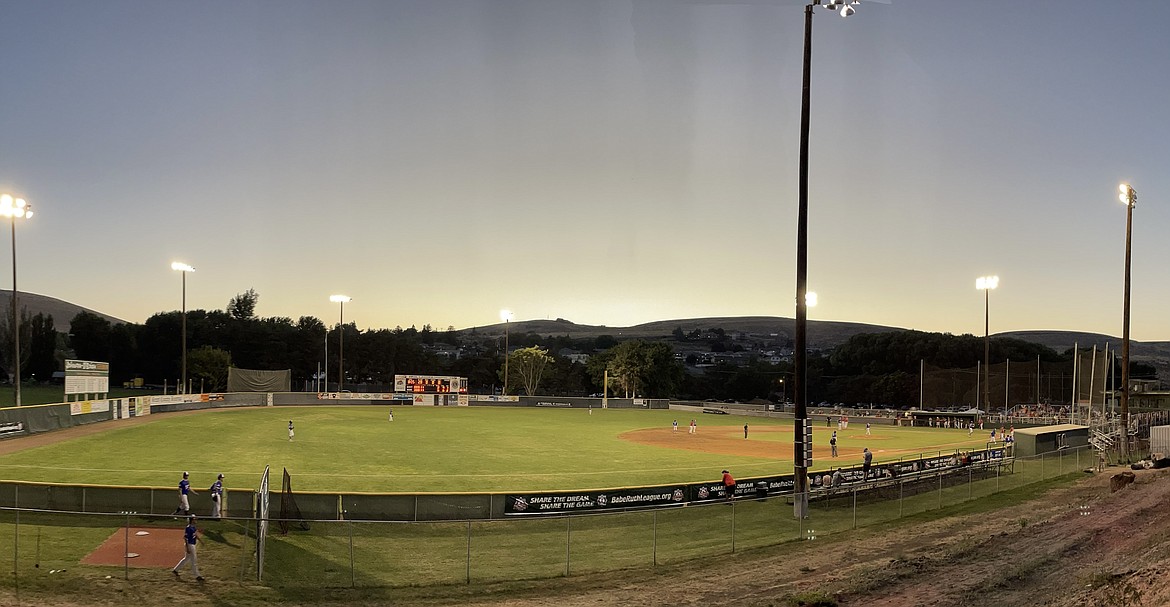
869 368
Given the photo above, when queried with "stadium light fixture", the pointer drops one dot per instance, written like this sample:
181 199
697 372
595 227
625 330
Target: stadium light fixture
13 209
340 299
183 269
986 284
1128 196
506 316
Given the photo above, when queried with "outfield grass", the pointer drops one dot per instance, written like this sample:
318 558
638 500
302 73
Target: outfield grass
439 449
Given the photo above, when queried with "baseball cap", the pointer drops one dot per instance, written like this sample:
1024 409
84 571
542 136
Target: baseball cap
725 472
184 474
221 476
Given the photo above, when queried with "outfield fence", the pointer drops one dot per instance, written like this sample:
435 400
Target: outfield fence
368 553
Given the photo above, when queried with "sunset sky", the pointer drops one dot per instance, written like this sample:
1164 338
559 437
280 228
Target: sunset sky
611 162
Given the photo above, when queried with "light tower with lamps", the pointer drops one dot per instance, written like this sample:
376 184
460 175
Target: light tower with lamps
506 316
13 209
340 299
800 331
986 284
1128 196
183 269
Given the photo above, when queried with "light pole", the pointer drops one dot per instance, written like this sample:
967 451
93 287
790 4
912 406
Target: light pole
13 209
183 269
506 316
340 299
986 284
1128 196
800 332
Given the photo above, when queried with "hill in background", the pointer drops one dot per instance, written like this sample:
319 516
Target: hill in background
61 311
822 334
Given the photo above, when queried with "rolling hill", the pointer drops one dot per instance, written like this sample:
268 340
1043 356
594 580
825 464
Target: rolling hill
61 311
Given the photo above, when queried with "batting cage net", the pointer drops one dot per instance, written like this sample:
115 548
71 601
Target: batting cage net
289 512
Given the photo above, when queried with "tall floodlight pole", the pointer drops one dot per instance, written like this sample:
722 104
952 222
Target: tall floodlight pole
183 269
340 299
506 316
1129 197
986 284
801 445
13 209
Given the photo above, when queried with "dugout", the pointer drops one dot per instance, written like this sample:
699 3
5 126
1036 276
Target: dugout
1046 439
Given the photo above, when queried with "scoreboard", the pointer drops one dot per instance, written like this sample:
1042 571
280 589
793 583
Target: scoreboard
430 384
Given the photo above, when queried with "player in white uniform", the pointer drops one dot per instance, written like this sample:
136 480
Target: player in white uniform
290 430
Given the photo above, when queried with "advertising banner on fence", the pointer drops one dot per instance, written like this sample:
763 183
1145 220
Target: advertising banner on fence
89 406
563 503
640 497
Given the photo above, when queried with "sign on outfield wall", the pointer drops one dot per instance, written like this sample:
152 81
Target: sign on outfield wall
85 407
86 377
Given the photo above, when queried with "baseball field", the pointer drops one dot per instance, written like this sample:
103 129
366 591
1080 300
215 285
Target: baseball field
495 449
463 449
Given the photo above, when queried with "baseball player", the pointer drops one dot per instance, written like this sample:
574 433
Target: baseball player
290 430
184 489
216 491
190 536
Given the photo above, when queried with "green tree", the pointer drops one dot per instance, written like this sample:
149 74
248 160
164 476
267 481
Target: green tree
243 306
529 364
639 369
7 337
42 348
208 368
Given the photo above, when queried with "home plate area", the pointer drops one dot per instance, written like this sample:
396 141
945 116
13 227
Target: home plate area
142 547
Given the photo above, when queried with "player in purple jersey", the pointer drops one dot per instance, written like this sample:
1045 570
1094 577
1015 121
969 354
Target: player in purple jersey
190 537
184 490
216 497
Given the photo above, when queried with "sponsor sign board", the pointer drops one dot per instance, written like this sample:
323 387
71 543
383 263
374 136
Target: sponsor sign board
560 503
89 406
87 377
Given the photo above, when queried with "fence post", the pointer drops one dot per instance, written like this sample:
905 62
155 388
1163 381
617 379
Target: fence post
16 552
970 489
733 526
469 552
940 475
901 486
568 541
855 507
654 531
352 579
126 549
